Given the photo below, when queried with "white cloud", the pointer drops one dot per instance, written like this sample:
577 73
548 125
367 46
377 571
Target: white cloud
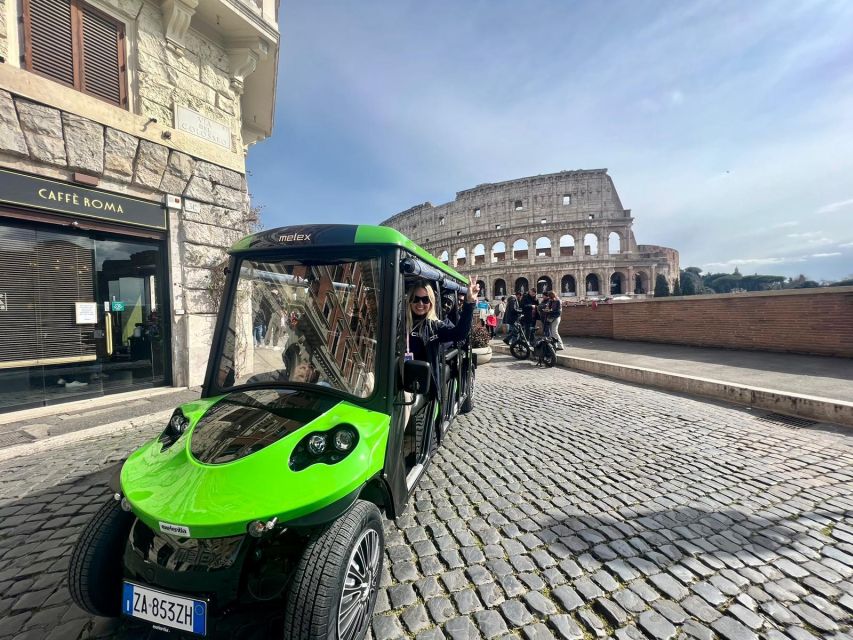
805 234
832 207
846 244
826 255
782 225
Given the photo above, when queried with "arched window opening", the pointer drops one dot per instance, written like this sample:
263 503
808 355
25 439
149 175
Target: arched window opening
614 243
592 285
590 244
460 257
568 287
519 250
522 285
641 282
543 284
567 246
444 257
480 254
482 293
617 284
499 288
499 252
543 247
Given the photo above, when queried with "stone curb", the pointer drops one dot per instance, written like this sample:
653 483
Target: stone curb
800 405
40 446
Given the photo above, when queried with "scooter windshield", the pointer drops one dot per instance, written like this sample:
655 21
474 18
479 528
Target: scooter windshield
307 322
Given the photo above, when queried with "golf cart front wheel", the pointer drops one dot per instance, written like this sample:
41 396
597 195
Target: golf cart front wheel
334 587
95 570
520 351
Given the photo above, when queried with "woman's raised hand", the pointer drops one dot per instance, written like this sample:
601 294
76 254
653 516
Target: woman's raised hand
473 290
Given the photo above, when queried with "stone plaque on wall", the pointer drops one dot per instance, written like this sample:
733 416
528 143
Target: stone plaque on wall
202 127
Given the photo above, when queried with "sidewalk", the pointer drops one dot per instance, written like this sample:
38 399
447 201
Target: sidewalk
814 387
33 425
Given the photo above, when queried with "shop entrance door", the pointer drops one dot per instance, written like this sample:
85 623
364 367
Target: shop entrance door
130 337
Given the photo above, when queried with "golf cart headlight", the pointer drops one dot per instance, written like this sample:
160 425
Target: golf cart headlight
324 447
344 439
317 443
179 424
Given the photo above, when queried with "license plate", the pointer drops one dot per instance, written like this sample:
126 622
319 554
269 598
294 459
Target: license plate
165 609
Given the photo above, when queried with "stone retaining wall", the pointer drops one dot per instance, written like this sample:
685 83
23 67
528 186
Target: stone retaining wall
812 321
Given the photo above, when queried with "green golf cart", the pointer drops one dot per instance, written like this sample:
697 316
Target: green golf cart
269 491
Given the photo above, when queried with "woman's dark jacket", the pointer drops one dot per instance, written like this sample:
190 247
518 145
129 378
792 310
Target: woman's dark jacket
425 340
512 310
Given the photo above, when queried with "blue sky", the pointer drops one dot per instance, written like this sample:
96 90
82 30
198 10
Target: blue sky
727 126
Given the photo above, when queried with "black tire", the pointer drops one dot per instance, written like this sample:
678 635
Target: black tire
468 404
314 596
520 351
95 571
549 358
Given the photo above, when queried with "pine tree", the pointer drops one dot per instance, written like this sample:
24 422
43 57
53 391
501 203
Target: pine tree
688 286
661 286
676 289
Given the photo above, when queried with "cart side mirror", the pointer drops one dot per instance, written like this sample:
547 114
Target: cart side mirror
416 376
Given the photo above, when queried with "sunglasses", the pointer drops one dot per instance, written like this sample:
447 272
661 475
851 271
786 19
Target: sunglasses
421 299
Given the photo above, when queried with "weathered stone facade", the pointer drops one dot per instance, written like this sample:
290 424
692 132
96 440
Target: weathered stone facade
215 58
529 232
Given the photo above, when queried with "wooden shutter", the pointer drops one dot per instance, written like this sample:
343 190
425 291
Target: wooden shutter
49 42
73 43
103 56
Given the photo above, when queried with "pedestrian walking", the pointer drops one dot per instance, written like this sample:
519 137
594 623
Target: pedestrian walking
552 318
500 310
511 315
528 314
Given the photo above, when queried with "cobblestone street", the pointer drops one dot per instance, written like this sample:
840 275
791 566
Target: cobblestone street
565 506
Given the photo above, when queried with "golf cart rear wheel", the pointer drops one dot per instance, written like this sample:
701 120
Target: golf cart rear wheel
334 587
520 351
95 571
468 404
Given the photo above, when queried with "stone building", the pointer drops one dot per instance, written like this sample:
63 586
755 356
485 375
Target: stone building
565 231
124 126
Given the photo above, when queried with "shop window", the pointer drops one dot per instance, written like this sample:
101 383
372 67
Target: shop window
77 45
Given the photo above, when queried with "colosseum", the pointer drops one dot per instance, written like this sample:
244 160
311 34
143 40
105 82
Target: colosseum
565 231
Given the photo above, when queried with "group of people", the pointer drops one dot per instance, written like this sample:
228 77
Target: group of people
527 309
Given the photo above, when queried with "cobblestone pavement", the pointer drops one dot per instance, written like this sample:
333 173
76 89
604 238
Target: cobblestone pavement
579 508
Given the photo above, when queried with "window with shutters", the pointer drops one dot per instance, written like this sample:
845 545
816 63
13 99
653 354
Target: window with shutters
77 45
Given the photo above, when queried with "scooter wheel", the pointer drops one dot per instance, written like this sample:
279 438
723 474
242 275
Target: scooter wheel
520 351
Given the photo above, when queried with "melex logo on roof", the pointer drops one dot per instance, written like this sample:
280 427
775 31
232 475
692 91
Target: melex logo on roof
295 237
59 197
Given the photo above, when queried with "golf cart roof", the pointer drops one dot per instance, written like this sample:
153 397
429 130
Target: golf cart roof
336 235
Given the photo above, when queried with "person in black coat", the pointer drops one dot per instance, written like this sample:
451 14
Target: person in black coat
425 332
511 315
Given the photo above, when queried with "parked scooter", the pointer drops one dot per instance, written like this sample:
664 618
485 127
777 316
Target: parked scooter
522 346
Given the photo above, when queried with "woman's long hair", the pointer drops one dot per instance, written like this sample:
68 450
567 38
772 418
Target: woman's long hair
430 315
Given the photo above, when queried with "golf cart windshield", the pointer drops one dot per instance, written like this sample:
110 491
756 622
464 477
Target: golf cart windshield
302 321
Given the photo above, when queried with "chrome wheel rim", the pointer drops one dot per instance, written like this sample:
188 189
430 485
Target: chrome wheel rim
360 583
